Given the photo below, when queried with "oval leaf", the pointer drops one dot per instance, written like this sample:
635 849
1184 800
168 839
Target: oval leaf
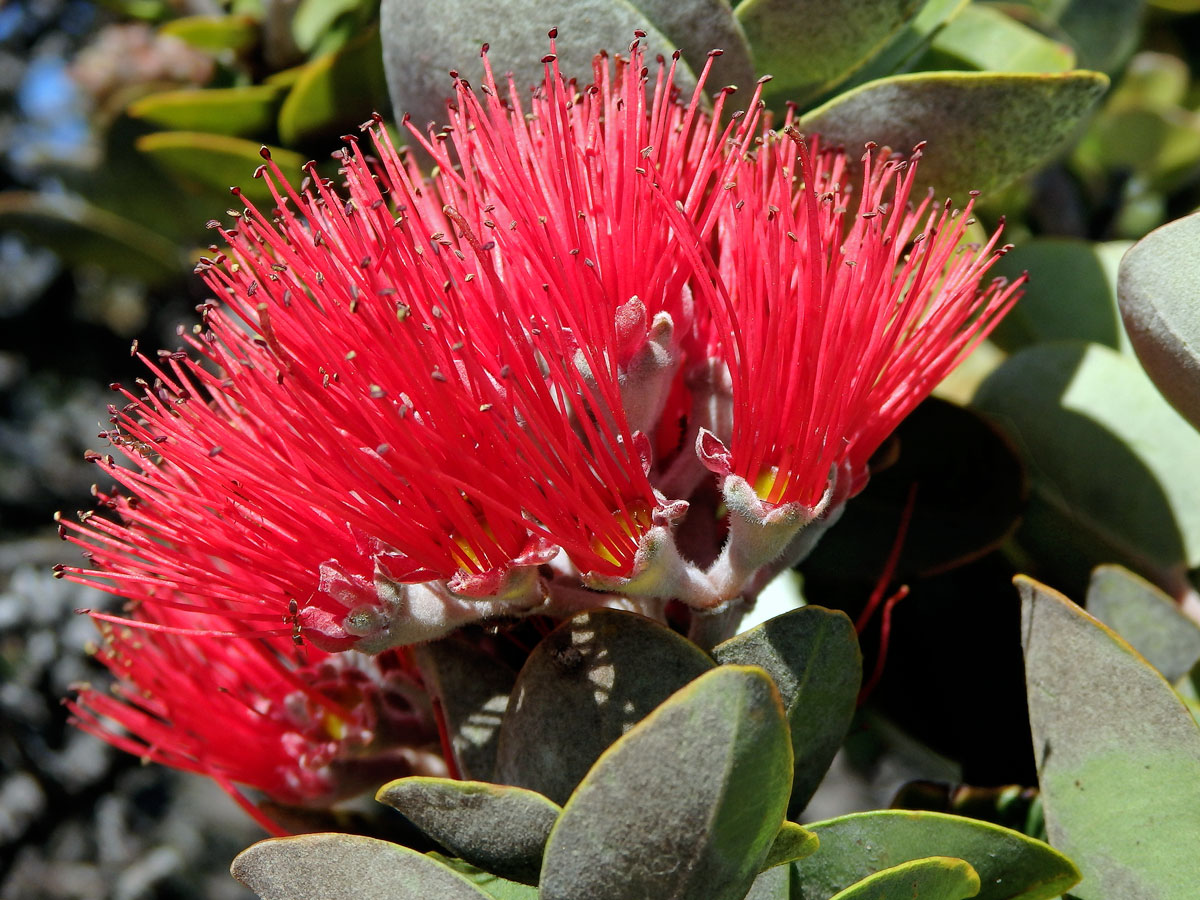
1158 291
585 684
698 26
910 42
346 867
1132 501
239 111
812 655
687 804
934 878
772 884
214 33
1118 754
983 129
424 39
1011 866
808 45
472 689
335 91
984 38
499 829
1146 617
215 161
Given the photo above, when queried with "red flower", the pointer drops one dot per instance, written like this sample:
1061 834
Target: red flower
839 308
423 402
421 381
245 714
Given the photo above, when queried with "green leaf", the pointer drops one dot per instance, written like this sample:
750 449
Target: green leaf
1118 755
812 655
498 828
336 91
1011 866
772 884
216 161
687 804
1104 32
984 38
1157 291
587 683
913 39
792 843
214 33
1071 293
808 45
83 234
983 129
1067 403
934 878
1147 618
472 689
698 26
346 867
424 39
494 886
238 111
313 18
970 490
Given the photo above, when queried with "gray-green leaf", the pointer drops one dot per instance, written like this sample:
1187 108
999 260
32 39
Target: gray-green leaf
1118 755
585 684
1159 291
933 878
685 805
1107 461
1146 617
346 867
1011 866
808 45
498 828
983 129
813 656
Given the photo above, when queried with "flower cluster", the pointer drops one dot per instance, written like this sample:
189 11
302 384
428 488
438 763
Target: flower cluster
497 390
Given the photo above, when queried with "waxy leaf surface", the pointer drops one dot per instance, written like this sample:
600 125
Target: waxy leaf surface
1010 865
1148 618
346 867
585 684
985 38
1118 755
983 129
685 805
1159 288
498 828
424 39
812 654
807 45
934 878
